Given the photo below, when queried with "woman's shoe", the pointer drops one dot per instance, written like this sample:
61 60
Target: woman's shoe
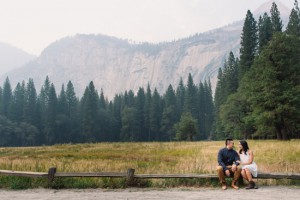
250 186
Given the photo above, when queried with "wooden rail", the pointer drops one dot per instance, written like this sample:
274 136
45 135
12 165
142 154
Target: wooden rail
130 176
24 174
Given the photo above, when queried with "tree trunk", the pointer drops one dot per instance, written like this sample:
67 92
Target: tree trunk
278 133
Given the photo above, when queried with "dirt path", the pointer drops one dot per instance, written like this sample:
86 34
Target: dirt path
263 193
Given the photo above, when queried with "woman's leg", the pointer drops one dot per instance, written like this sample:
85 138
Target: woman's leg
249 177
244 174
248 174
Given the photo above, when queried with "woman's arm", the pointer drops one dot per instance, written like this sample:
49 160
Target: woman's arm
251 157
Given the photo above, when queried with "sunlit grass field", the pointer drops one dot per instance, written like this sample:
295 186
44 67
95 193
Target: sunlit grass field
147 158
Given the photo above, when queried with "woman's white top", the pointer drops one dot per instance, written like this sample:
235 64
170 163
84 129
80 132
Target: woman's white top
252 167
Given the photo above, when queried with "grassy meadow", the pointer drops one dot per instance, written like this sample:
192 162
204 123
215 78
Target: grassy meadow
153 158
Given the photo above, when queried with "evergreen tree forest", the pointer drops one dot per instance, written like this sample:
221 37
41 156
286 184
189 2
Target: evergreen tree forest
264 102
30 118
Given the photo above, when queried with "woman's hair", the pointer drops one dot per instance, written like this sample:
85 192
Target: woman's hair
245 146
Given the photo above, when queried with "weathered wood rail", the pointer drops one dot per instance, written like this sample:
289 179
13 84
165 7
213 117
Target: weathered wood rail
23 173
130 176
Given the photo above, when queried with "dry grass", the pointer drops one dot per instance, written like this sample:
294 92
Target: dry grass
157 158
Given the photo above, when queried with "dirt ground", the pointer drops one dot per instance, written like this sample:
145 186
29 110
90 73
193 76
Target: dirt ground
263 193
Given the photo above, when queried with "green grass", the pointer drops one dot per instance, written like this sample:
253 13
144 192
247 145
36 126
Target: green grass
146 158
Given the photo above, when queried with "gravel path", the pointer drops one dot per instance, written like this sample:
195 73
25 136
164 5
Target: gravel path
263 193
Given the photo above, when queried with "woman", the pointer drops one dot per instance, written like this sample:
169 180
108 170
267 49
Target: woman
249 167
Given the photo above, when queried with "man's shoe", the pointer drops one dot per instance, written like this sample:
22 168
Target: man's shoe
234 186
224 186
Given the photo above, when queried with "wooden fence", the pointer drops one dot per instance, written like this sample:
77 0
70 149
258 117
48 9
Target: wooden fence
131 176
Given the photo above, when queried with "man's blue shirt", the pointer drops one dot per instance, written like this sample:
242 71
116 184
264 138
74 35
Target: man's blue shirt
227 157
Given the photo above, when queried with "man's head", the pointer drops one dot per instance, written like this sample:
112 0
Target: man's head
229 143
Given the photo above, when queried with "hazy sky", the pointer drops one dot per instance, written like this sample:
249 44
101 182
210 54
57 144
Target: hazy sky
33 24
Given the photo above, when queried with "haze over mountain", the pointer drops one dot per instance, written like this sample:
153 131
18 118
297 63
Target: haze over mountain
12 57
116 65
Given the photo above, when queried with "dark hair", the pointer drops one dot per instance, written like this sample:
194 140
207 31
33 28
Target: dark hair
245 146
228 139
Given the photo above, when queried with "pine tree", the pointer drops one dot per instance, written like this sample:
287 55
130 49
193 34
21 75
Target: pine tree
102 102
180 95
62 102
201 111
170 97
51 111
117 106
275 19
104 119
155 116
111 135
147 109
264 31
220 99
71 100
90 107
42 105
169 115
191 101
230 75
219 93
62 120
293 27
1 93
18 104
73 113
208 110
248 44
7 98
30 110
140 108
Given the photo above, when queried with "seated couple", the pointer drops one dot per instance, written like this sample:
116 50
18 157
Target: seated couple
234 164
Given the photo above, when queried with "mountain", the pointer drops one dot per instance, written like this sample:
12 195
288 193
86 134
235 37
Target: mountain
284 11
12 58
116 65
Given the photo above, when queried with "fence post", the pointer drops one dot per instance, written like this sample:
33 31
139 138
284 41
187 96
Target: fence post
130 177
51 173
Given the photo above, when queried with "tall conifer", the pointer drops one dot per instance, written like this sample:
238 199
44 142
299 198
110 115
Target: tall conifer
7 98
18 104
275 19
89 113
249 41
293 27
264 31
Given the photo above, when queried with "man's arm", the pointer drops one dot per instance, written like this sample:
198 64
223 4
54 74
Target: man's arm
237 159
220 161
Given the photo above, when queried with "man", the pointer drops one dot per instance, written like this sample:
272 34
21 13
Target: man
228 160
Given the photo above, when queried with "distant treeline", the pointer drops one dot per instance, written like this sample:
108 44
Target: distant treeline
257 96
28 118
